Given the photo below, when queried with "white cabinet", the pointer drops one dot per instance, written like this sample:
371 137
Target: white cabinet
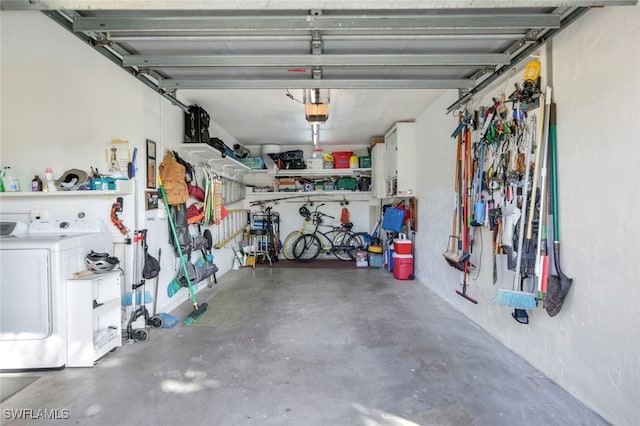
94 324
378 181
400 160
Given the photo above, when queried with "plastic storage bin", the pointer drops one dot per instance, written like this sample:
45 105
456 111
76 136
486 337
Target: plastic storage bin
403 266
365 162
253 162
341 159
347 183
315 164
376 260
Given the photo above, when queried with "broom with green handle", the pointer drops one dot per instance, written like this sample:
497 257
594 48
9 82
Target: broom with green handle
198 310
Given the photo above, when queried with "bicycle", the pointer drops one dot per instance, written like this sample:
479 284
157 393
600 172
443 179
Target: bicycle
307 226
335 241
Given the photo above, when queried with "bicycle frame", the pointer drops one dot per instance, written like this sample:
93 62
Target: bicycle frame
334 241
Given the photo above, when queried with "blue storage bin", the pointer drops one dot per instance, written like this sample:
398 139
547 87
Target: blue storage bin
376 260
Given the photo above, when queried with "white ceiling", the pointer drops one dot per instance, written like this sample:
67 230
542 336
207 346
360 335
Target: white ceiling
260 116
383 61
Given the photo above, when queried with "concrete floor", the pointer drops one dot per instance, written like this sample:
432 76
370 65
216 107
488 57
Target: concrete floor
310 347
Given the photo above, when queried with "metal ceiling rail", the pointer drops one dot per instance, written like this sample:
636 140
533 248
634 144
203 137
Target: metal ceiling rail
315 60
63 20
320 84
521 56
291 4
278 24
307 37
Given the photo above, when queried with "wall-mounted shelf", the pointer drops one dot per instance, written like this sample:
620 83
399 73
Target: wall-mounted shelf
321 172
314 195
123 187
213 157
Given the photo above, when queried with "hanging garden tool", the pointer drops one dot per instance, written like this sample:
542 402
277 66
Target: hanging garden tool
116 209
516 297
543 124
454 255
541 246
198 309
466 244
478 199
558 285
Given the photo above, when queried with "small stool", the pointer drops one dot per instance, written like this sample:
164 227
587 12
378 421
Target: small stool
260 245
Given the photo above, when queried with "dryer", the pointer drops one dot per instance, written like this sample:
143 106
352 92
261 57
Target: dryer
34 268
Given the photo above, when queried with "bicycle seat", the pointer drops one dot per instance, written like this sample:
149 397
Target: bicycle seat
347 225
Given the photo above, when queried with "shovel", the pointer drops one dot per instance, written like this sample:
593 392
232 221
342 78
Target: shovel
558 285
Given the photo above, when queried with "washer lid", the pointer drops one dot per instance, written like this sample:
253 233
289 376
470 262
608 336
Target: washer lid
13 229
66 226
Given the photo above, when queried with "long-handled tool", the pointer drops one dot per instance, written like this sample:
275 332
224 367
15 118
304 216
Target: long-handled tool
541 247
558 285
542 126
466 244
198 309
517 298
457 258
155 297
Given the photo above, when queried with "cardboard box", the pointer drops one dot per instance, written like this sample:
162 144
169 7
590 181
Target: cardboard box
362 259
376 140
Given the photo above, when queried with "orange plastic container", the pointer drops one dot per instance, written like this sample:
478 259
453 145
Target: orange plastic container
341 159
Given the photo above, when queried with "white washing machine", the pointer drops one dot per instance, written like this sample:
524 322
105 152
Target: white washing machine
34 267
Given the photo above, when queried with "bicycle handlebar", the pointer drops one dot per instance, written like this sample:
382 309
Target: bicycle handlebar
324 214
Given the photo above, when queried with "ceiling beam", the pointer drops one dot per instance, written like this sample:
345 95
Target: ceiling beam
279 24
314 60
319 84
306 37
291 4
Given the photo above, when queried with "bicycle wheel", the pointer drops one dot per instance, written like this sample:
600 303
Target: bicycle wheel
340 246
287 246
356 242
306 248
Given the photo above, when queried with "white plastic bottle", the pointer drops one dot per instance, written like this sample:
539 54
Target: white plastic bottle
51 184
10 180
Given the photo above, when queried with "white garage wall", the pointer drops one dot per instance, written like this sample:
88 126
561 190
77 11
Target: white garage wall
592 347
61 104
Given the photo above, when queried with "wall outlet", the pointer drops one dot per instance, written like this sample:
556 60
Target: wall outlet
39 214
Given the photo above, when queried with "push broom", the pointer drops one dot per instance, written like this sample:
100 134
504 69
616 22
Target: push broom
198 310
